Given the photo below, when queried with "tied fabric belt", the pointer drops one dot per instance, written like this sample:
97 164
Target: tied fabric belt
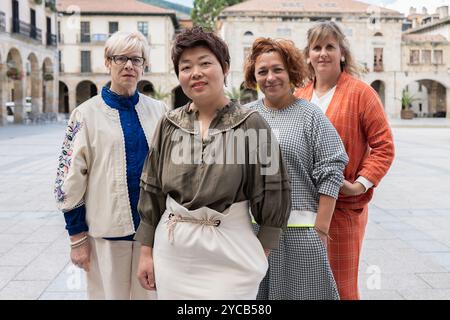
173 219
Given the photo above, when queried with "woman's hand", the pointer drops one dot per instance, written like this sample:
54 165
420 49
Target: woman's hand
323 238
267 252
81 255
352 189
145 272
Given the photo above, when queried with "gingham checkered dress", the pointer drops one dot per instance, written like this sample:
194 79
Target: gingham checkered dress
315 158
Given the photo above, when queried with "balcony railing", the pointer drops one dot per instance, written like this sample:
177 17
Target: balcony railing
85 38
94 38
35 33
2 22
51 39
99 37
20 27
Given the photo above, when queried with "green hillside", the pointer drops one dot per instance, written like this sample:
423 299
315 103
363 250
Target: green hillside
169 5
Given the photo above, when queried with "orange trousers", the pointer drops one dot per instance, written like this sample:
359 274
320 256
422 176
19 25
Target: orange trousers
347 230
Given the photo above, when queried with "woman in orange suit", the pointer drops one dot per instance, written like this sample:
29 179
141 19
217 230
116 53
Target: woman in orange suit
357 113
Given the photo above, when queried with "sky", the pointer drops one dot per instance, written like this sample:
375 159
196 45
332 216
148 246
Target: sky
399 5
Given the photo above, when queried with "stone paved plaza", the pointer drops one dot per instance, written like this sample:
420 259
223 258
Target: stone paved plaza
406 253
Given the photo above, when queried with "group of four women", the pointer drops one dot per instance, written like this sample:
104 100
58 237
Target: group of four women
215 200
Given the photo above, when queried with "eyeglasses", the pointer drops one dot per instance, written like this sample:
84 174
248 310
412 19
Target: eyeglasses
121 60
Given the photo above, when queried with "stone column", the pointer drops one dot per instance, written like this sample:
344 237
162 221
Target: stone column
447 101
19 100
3 113
72 97
36 92
389 101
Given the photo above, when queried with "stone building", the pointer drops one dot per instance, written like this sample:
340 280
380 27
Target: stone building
28 60
375 36
426 63
84 27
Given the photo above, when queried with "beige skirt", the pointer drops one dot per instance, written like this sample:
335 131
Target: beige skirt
205 254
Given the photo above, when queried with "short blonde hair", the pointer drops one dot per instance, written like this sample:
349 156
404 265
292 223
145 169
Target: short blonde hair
123 41
322 31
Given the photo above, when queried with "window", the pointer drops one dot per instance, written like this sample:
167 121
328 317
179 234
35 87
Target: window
284 32
348 32
33 31
113 27
378 34
85 61
143 27
60 61
437 57
426 56
414 56
378 59
59 31
85 31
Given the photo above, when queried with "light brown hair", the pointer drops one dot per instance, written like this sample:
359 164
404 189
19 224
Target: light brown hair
323 31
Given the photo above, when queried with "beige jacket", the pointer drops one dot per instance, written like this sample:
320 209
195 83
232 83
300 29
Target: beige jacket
92 165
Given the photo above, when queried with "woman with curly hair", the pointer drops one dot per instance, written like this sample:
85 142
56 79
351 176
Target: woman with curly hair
315 158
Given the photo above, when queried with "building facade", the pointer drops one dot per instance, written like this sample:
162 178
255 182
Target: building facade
426 64
84 27
375 36
28 60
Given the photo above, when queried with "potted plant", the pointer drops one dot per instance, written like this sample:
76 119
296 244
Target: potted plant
38 1
48 77
51 5
14 74
407 100
239 95
159 94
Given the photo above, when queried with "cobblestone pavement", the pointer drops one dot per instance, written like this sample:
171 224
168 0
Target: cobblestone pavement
406 252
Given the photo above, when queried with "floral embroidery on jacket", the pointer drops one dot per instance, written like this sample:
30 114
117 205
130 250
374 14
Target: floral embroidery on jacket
65 159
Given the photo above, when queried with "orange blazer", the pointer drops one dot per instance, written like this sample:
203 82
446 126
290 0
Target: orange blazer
358 116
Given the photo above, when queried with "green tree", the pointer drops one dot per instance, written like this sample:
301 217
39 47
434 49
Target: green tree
205 12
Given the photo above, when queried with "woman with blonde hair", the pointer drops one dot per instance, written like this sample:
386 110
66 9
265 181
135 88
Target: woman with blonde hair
315 158
357 113
97 184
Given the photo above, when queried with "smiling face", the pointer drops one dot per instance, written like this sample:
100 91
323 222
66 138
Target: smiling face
201 76
124 77
272 77
326 56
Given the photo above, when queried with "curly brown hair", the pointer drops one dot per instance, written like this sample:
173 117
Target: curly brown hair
292 58
198 37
